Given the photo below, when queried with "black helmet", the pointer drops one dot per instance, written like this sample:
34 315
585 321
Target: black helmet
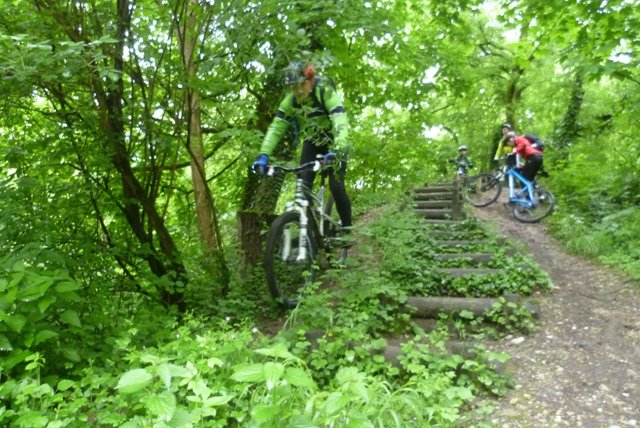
297 72
506 125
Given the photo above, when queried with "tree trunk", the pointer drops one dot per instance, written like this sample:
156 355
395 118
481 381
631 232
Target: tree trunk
260 195
208 226
110 104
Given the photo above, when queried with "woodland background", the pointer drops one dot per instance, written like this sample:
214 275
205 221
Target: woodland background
130 220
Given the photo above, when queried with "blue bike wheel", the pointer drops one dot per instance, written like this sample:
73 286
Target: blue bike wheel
545 203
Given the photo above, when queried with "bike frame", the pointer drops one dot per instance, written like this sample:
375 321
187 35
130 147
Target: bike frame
515 197
310 216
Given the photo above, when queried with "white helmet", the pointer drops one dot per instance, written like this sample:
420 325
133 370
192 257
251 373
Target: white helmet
463 147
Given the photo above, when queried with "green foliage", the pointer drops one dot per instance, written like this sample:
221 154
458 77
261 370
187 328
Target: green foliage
224 377
39 315
84 339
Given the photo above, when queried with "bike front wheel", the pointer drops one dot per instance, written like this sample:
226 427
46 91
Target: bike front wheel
481 190
289 268
545 203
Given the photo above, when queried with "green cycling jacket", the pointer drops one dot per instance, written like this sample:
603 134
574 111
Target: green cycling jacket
320 118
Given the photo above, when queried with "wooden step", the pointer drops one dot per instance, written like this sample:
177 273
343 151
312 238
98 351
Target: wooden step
447 234
434 213
431 307
433 189
441 203
458 272
432 196
456 243
442 222
472 257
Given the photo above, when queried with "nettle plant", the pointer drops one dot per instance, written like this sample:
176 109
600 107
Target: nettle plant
39 312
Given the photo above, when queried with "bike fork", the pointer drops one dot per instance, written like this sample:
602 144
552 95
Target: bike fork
300 205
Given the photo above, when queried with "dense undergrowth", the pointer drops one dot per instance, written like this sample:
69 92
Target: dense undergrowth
597 208
129 363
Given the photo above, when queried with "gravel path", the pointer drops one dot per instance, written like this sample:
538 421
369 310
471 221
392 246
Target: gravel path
582 367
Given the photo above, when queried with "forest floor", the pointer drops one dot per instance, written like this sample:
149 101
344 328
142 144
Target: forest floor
581 368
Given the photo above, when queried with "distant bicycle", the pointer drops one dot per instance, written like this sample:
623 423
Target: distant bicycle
529 202
308 225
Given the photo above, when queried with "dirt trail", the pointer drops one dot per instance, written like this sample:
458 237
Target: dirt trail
582 367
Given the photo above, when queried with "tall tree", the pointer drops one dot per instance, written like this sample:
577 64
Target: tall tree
189 32
93 39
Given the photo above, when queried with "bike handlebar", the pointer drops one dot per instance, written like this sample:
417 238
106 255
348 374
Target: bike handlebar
313 165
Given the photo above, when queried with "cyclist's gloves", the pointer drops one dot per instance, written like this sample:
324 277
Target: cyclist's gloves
260 164
330 158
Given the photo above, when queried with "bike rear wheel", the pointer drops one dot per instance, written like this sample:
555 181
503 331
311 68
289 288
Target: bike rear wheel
545 204
336 244
287 274
481 190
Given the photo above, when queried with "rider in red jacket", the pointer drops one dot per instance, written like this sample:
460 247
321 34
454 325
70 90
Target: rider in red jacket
532 156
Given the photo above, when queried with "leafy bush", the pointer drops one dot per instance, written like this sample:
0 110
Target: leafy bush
39 311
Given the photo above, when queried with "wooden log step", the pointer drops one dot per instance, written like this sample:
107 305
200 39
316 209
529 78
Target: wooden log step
392 352
467 350
457 272
447 234
438 203
442 222
472 257
432 196
393 349
433 189
434 213
431 307
464 243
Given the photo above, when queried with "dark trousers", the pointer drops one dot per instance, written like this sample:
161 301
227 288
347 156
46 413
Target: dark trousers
531 167
336 180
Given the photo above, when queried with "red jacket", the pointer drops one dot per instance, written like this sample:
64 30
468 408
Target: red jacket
524 149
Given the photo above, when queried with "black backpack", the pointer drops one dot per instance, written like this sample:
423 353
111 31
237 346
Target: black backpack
536 142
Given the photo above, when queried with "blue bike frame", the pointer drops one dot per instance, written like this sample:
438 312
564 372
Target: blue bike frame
519 197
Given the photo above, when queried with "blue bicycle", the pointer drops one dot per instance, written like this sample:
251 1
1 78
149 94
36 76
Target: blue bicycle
529 201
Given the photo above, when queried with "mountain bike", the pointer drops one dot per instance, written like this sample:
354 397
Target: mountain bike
529 202
308 226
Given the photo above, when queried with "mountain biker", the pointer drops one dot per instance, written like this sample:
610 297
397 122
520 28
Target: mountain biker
462 161
533 157
503 148
313 107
